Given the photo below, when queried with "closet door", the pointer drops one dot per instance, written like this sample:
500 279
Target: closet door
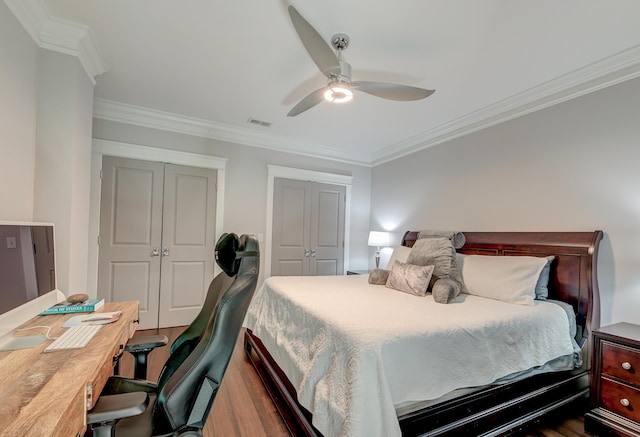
131 234
157 238
308 228
291 228
188 243
327 229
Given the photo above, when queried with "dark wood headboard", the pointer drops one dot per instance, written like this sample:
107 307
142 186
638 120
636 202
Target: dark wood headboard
573 277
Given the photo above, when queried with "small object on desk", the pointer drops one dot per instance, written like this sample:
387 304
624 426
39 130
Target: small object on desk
77 298
93 319
102 318
75 337
87 306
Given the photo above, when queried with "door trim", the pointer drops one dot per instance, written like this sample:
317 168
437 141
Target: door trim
119 149
276 171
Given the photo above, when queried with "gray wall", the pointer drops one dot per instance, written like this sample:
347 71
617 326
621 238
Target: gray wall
18 107
571 167
46 102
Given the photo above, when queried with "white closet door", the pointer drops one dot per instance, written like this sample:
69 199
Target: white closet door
327 229
131 234
308 228
157 238
291 228
188 242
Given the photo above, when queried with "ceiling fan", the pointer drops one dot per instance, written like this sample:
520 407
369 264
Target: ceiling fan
339 87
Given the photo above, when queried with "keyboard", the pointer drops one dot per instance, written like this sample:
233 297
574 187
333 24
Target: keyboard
75 337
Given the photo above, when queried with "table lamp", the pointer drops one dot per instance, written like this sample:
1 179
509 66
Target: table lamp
378 239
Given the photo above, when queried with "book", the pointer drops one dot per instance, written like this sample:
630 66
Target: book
88 306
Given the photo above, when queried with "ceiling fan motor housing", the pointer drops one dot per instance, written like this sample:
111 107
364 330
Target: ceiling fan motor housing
340 41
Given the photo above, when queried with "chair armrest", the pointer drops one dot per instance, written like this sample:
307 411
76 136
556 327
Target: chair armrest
146 343
119 384
113 407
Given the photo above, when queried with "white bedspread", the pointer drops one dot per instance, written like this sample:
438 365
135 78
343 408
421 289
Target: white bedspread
354 351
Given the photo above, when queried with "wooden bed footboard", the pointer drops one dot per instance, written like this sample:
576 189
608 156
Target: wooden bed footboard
498 410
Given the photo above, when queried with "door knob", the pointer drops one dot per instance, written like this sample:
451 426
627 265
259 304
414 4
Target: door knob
155 252
313 253
165 251
307 252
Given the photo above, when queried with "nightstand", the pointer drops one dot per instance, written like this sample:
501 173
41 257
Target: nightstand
615 382
358 272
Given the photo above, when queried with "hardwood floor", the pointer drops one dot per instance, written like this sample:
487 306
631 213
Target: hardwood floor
243 408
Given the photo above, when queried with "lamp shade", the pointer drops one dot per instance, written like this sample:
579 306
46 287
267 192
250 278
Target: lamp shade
379 239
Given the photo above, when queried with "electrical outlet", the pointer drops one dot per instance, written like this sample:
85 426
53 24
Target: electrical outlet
11 242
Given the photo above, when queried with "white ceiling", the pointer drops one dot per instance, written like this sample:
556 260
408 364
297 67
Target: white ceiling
212 65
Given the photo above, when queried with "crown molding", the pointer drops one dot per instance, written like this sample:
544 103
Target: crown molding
58 35
615 69
609 71
144 117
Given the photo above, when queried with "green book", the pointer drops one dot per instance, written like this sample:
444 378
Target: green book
88 306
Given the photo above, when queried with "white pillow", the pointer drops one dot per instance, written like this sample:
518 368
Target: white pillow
400 254
507 278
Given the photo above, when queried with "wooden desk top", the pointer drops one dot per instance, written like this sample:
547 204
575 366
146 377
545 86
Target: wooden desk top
49 394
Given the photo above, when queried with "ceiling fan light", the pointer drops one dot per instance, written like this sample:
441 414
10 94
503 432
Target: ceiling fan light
338 92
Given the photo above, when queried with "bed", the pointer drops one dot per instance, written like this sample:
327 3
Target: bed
488 409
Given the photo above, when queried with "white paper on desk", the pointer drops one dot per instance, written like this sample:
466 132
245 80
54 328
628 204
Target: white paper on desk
77 320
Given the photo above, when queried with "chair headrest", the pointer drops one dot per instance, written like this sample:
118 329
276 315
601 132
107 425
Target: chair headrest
229 251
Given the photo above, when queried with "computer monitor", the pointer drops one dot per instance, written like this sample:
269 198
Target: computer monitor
27 263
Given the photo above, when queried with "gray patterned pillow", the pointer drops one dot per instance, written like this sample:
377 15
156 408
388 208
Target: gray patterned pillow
410 278
438 252
378 276
445 290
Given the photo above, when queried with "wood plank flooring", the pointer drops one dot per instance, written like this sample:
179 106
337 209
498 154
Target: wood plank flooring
243 408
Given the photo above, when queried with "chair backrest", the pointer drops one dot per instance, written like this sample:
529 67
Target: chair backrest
193 332
192 375
226 254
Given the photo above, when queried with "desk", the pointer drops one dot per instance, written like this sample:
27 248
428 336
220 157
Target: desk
49 394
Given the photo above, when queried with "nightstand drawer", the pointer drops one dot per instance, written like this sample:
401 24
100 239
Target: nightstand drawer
621 399
621 362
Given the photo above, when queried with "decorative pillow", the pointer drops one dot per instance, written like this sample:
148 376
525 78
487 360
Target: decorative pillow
507 278
445 290
378 276
409 278
457 238
439 252
542 290
400 254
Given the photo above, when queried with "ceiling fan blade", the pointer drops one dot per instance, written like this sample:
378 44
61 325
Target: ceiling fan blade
392 91
308 102
321 53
